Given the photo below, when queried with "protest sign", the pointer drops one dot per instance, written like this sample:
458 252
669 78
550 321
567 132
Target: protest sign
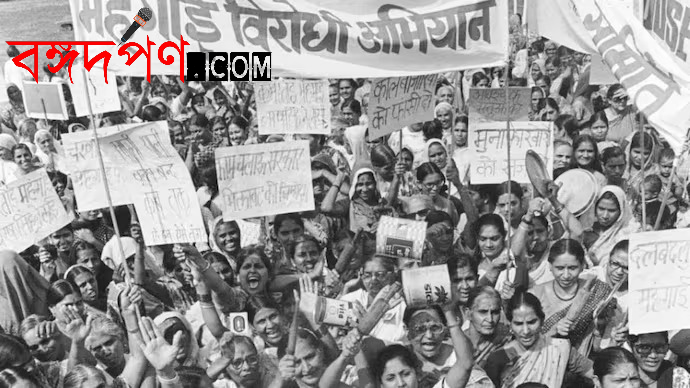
659 285
490 104
144 169
104 97
669 22
293 106
600 73
84 169
400 237
376 38
30 210
264 179
160 185
399 101
44 100
488 143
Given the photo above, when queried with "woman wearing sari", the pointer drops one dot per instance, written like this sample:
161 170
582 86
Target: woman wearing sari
23 292
567 259
49 151
432 182
613 215
444 113
532 356
365 205
485 329
640 154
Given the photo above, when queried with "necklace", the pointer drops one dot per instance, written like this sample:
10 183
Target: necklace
553 285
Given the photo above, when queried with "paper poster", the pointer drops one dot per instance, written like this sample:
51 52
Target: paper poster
400 237
104 97
144 169
399 101
659 281
488 145
264 179
293 106
44 100
84 169
30 210
489 104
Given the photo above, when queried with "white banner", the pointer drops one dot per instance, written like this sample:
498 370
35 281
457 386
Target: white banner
334 38
30 210
659 284
669 23
638 62
264 179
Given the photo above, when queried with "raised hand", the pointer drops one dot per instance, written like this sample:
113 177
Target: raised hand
351 344
75 327
46 329
130 296
156 349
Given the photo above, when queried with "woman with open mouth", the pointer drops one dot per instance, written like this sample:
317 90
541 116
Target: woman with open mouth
567 259
428 333
24 159
226 240
531 356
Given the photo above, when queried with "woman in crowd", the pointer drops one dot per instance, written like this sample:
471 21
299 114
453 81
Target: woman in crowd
586 156
238 131
642 158
612 224
650 350
24 160
244 366
567 259
82 278
562 153
598 126
444 113
432 182
49 151
485 331
491 253
226 239
533 356
616 367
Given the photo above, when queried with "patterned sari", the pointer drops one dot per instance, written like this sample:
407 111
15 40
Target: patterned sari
546 362
583 325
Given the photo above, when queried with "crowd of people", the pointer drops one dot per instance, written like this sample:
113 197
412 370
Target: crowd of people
539 291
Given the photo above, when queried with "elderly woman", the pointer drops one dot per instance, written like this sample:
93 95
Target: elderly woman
12 112
8 168
445 114
49 151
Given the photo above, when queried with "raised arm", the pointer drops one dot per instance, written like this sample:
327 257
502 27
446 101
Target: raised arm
459 373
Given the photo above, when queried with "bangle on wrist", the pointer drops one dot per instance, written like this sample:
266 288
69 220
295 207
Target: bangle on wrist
174 379
207 265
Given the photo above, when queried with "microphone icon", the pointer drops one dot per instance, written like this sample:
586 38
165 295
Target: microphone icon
140 20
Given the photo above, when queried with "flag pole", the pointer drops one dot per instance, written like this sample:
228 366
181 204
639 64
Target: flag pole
118 235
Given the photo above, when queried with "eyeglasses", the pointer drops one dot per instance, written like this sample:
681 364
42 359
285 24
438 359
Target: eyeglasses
251 361
378 275
645 350
616 266
621 99
434 328
432 185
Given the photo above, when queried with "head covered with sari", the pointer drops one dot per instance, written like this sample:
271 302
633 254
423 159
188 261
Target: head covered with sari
601 249
23 291
170 323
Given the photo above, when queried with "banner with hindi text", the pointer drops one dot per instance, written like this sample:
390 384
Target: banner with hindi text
488 145
669 22
30 210
264 179
310 38
659 287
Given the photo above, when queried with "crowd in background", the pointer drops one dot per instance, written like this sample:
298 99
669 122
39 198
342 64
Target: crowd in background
517 261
